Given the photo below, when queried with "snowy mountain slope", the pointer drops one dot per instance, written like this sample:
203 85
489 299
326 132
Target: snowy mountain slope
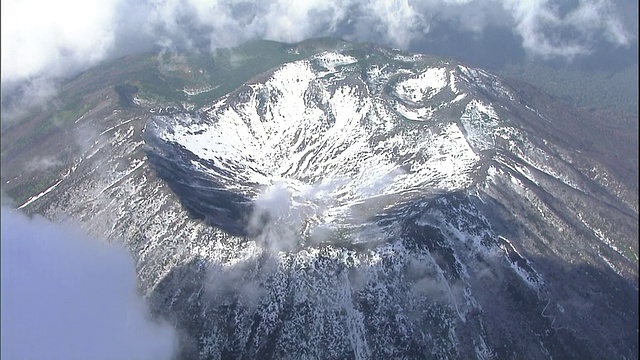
365 203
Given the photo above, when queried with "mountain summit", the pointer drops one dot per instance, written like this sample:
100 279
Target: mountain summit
354 202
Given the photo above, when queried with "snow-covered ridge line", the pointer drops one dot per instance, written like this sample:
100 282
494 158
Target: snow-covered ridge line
43 193
524 270
199 90
333 59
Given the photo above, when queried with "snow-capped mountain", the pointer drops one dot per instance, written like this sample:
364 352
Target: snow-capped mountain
366 203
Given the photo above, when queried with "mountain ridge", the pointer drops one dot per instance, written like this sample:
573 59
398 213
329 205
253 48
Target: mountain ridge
400 275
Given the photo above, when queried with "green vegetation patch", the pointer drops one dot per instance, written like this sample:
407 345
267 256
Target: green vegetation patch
20 194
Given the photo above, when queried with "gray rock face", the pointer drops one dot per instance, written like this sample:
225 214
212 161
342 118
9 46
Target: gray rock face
368 204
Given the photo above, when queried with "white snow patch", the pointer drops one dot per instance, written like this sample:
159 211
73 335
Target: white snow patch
331 60
422 86
481 124
416 114
452 82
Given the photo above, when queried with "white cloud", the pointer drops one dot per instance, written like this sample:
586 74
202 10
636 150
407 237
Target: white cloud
53 37
67 296
57 38
548 32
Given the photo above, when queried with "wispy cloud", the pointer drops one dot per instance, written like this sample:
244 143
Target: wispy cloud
67 296
26 96
57 38
557 29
